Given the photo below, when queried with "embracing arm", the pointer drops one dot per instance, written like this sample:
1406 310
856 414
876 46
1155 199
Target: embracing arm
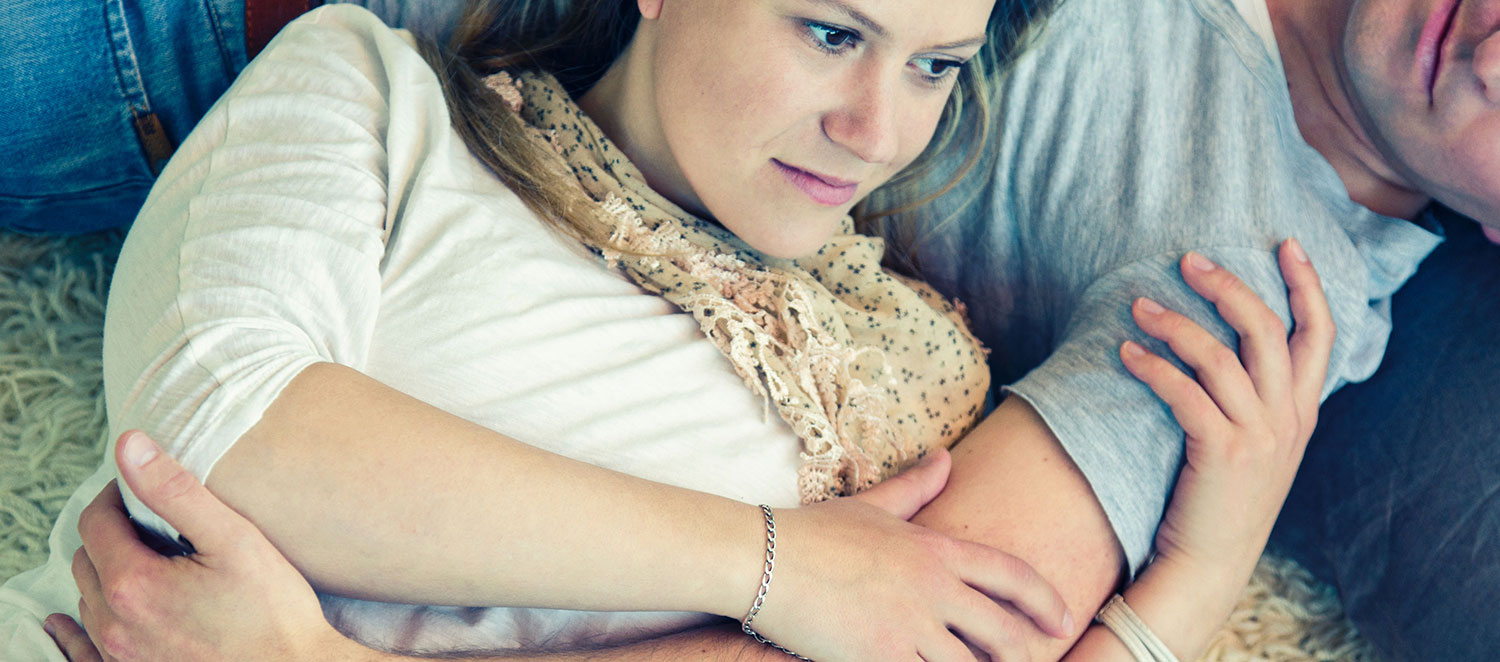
449 512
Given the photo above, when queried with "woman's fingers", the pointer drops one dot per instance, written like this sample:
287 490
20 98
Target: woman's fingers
1010 579
1312 341
1217 367
989 627
1197 413
71 639
946 647
907 492
1263 346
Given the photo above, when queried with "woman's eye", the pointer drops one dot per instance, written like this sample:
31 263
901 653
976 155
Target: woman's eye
937 68
830 38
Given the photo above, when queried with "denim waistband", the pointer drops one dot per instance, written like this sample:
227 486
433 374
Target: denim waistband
78 77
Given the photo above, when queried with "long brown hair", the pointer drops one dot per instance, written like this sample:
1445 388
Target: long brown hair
578 40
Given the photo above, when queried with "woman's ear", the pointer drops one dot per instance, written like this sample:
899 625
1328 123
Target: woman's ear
650 9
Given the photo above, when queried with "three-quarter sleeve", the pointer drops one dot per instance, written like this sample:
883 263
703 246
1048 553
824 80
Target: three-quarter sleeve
258 252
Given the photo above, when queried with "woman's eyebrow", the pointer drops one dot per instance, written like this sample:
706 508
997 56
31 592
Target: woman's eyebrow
854 15
878 30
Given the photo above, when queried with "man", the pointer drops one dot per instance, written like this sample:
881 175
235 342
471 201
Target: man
1134 131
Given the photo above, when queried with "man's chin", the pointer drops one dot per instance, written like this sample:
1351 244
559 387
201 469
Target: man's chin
1493 234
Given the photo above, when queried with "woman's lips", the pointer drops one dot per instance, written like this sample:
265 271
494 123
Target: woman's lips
1430 46
824 190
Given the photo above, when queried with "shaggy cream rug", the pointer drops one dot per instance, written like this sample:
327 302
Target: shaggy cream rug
52 294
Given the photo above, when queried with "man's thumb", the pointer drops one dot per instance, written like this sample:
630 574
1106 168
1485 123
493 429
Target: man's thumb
171 492
906 493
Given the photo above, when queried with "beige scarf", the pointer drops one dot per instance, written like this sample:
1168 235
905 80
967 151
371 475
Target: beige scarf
870 370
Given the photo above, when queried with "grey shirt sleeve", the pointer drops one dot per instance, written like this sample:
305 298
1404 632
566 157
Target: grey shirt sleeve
1122 437
1130 133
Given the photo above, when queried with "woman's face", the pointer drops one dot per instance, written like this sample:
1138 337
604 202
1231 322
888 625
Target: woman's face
775 117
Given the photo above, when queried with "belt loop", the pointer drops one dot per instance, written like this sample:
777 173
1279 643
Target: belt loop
264 18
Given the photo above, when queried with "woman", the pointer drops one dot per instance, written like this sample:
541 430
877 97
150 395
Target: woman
353 230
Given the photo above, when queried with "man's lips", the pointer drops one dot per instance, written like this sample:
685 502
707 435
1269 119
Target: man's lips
823 189
1430 46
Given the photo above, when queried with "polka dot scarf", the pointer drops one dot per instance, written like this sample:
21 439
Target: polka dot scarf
869 369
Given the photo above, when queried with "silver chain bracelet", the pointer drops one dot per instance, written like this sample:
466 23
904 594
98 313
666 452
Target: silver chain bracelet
765 585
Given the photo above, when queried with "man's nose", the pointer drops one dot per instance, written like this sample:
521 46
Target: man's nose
1487 66
866 122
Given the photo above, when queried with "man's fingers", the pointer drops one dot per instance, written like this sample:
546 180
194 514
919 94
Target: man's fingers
174 494
110 546
1312 341
71 639
87 577
1263 347
906 493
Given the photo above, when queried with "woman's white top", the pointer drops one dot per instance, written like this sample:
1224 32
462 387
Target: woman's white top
325 210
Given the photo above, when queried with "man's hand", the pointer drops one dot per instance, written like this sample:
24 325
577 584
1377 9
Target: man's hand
236 598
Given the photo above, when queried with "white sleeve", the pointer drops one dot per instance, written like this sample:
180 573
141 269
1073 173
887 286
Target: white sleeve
258 251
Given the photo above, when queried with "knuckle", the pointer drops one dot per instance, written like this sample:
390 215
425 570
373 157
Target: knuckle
125 598
1223 282
1008 631
1268 323
943 547
1019 571
114 640
176 486
1223 359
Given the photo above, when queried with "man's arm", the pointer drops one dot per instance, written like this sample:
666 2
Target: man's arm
1013 487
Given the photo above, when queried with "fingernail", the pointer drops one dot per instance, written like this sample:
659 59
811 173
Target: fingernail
1200 263
49 627
1068 623
1151 307
139 449
1296 248
1133 349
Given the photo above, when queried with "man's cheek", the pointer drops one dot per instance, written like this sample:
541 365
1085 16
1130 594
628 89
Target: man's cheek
1492 233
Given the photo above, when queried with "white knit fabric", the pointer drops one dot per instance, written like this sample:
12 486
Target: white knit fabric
324 210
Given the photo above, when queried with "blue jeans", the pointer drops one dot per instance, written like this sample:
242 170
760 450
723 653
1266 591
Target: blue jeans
79 78
1398 500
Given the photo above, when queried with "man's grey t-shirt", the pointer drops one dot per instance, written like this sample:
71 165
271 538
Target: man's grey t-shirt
1131 132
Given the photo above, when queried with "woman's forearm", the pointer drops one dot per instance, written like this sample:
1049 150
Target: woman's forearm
373 494
1184 605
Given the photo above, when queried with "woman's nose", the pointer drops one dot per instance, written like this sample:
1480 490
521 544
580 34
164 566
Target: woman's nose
866 122
1487 66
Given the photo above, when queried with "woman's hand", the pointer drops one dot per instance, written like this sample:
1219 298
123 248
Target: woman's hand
1248 417
236 598
855 581
886 589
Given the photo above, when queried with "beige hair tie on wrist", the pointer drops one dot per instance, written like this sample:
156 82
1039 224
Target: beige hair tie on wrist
1132 631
